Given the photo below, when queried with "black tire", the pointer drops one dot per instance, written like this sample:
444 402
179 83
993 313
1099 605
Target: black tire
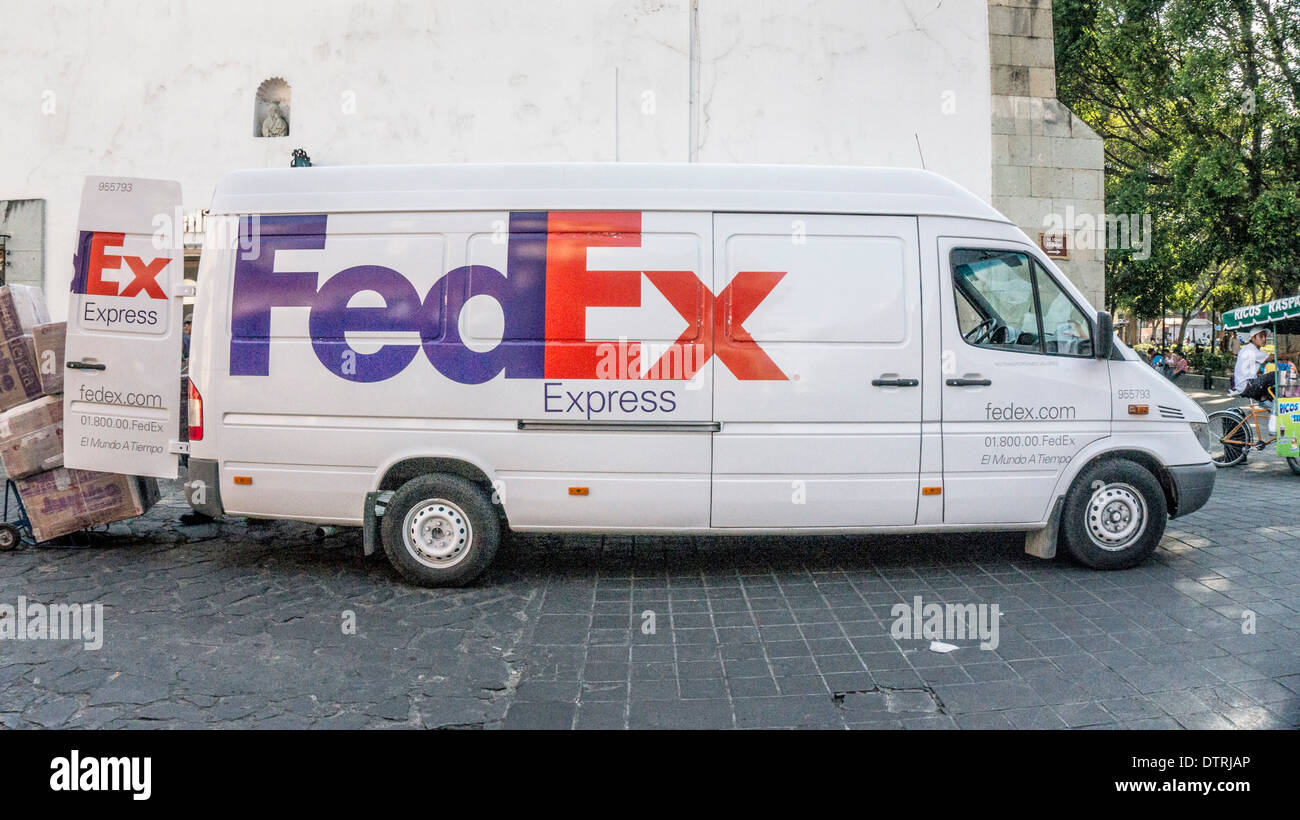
10 537
1294 464
1123 489
1229 424
456 515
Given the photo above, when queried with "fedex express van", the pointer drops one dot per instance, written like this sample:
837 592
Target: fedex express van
436 354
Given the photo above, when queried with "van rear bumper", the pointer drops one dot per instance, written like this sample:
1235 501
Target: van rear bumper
1193 484
203 487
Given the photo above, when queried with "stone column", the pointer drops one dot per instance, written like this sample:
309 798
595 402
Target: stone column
1047 163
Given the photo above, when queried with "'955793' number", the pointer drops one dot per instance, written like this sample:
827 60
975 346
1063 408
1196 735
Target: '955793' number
1133 393
117 187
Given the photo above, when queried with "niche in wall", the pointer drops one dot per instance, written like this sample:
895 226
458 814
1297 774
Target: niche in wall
271 109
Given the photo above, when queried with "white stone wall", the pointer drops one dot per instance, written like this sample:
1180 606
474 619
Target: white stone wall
165 89
847 82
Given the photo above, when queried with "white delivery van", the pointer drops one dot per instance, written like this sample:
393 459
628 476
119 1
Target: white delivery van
438 353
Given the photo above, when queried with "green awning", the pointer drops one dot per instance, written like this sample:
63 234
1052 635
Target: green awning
1265 314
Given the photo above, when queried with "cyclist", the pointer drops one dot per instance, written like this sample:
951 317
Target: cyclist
1249 359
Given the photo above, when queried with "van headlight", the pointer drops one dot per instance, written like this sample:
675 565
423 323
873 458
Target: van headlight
1202 432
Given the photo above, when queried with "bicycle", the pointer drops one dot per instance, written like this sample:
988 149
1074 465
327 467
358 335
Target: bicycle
1233 434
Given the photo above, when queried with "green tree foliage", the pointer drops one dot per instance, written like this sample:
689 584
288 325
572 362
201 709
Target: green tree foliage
1197 101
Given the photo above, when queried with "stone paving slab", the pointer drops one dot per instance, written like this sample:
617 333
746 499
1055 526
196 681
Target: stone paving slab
243 625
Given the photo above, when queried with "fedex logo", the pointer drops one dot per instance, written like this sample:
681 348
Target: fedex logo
93 259
100 275
544 295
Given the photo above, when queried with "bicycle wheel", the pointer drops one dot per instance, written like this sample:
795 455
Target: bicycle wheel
1294 464
1230 437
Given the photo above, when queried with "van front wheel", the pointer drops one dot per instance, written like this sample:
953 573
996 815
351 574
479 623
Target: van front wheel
440 530
1114 515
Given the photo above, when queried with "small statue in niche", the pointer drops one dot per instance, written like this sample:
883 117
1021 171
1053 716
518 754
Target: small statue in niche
274 124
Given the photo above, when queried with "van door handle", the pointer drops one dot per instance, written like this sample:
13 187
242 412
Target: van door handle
894 382
86 366
968 382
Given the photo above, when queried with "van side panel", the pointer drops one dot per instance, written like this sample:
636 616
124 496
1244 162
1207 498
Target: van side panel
818 445
352 341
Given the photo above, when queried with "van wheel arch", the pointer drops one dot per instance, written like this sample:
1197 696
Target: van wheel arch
1144 459
408 468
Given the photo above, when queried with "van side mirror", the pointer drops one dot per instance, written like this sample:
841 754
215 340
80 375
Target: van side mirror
1103 340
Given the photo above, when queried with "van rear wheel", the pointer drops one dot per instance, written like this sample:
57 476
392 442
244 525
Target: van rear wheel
1114 515
440 530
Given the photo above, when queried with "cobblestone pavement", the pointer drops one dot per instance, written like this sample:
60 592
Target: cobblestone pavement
238 625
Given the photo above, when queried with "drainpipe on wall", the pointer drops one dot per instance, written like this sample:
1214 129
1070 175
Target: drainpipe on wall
693 127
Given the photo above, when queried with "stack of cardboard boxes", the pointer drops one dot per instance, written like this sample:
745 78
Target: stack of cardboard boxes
59 501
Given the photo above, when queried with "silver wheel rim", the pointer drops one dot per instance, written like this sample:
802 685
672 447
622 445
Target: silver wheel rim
437 533
1116 516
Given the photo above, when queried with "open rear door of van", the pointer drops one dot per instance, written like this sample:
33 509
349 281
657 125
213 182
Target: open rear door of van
122 388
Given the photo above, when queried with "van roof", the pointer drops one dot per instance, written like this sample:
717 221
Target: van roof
598 186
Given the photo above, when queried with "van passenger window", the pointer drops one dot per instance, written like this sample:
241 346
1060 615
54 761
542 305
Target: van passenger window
1006 300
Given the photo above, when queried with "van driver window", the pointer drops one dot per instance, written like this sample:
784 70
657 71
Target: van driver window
1005 300
995 294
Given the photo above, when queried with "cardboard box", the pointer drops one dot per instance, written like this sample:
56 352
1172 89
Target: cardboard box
33 452
22 308
49 340
30 417
31 437
19 380
63 501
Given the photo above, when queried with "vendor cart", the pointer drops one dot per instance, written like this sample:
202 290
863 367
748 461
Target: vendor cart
1235 432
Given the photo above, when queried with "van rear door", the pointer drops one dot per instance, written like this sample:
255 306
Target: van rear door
121 401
